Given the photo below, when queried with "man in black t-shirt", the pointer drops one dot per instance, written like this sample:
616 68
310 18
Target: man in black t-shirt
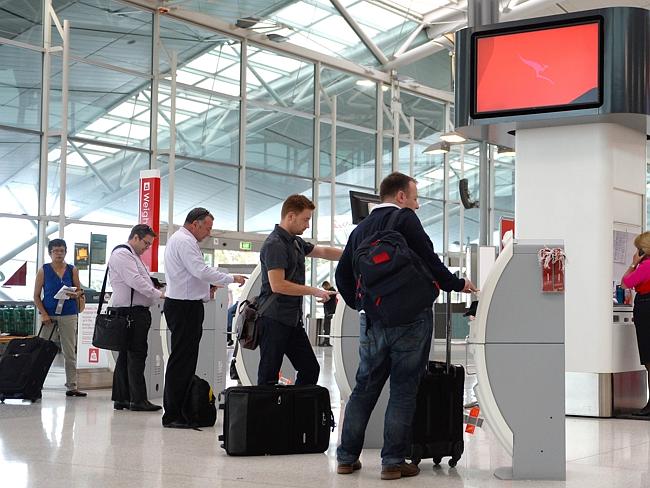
283 281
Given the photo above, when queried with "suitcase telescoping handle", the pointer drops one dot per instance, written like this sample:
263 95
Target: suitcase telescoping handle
448 331
54 326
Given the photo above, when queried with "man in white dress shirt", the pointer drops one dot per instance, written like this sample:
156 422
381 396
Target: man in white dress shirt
133 294
188 286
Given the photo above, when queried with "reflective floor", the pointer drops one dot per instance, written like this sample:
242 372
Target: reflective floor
82 442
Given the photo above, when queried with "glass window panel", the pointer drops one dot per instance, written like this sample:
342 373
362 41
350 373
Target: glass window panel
504 185
337 24
265 194
107 31
22 21
94 93
355 156
280 142
106 193
207 126
343 226
19 156
317 43
379 18
200 184
355 104
471 227
431 216
201 52
387 158
20 87
453 218
433 70
430 176
80 234
301 13
280 80
324 212
404 157
18 233
429 116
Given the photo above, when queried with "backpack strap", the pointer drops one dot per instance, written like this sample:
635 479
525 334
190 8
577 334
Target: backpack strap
393 219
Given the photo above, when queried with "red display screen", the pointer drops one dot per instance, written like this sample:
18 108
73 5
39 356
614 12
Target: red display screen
553 68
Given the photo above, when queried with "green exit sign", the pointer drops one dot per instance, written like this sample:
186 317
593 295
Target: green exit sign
245 246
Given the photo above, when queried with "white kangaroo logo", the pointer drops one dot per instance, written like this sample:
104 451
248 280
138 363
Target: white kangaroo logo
538 68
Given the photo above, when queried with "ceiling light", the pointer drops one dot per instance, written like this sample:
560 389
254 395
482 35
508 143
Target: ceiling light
452 137
247 22
505 152
441 147
277 37
365 82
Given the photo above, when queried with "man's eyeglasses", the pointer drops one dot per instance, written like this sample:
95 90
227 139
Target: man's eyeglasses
147 243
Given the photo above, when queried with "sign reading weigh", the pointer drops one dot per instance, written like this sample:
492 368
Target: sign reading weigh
545 69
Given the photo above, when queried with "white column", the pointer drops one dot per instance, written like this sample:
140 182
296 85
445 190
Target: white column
578 183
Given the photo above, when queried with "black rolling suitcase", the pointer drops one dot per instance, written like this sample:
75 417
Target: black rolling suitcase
276 419
24 366
438 422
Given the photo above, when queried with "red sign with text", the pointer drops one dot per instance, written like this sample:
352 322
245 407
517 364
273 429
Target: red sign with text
506 224
149 212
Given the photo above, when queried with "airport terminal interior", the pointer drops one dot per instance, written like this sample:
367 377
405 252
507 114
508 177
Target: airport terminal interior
233 105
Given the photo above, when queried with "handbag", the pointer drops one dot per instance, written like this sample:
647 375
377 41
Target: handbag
81 303
247 330
234 375
111 328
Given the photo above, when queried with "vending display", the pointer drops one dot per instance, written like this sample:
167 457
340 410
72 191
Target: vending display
17 320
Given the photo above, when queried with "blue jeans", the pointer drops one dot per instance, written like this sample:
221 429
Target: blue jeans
402 353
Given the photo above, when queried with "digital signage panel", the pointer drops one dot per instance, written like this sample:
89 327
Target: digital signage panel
539 69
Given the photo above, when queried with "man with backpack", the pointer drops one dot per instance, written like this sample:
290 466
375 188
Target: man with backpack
387 272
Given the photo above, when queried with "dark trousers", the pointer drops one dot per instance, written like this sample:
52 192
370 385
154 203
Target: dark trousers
128 378
185 321
276 340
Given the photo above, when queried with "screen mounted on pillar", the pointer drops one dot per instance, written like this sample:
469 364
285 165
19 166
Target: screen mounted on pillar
537 69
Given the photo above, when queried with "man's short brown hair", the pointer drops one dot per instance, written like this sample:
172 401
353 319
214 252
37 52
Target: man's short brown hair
394 183
296 204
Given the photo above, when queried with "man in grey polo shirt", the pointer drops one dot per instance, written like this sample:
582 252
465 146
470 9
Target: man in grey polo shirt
283 281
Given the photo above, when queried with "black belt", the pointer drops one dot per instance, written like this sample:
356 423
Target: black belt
180 300
127 310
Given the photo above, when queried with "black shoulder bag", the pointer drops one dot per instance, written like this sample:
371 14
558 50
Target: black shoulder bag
111 328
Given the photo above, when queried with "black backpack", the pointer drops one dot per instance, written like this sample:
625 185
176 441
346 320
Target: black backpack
198 407
392 283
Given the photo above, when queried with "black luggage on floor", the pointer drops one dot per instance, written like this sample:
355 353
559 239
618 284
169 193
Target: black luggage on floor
438 422
24 366
276 419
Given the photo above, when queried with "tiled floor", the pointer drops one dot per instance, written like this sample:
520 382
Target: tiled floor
75 442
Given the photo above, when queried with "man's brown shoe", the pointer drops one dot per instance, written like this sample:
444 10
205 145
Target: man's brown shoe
396 471
347 468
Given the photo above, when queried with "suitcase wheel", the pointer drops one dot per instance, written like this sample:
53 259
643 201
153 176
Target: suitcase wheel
436 461
415 460
453 462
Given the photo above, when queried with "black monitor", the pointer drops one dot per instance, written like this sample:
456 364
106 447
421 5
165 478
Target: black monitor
361 204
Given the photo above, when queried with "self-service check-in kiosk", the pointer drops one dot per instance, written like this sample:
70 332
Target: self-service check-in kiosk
248 360
213 356
344 338
518 342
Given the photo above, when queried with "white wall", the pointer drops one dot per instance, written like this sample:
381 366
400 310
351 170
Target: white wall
572 183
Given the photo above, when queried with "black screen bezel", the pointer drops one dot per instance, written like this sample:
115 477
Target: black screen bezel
532 28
